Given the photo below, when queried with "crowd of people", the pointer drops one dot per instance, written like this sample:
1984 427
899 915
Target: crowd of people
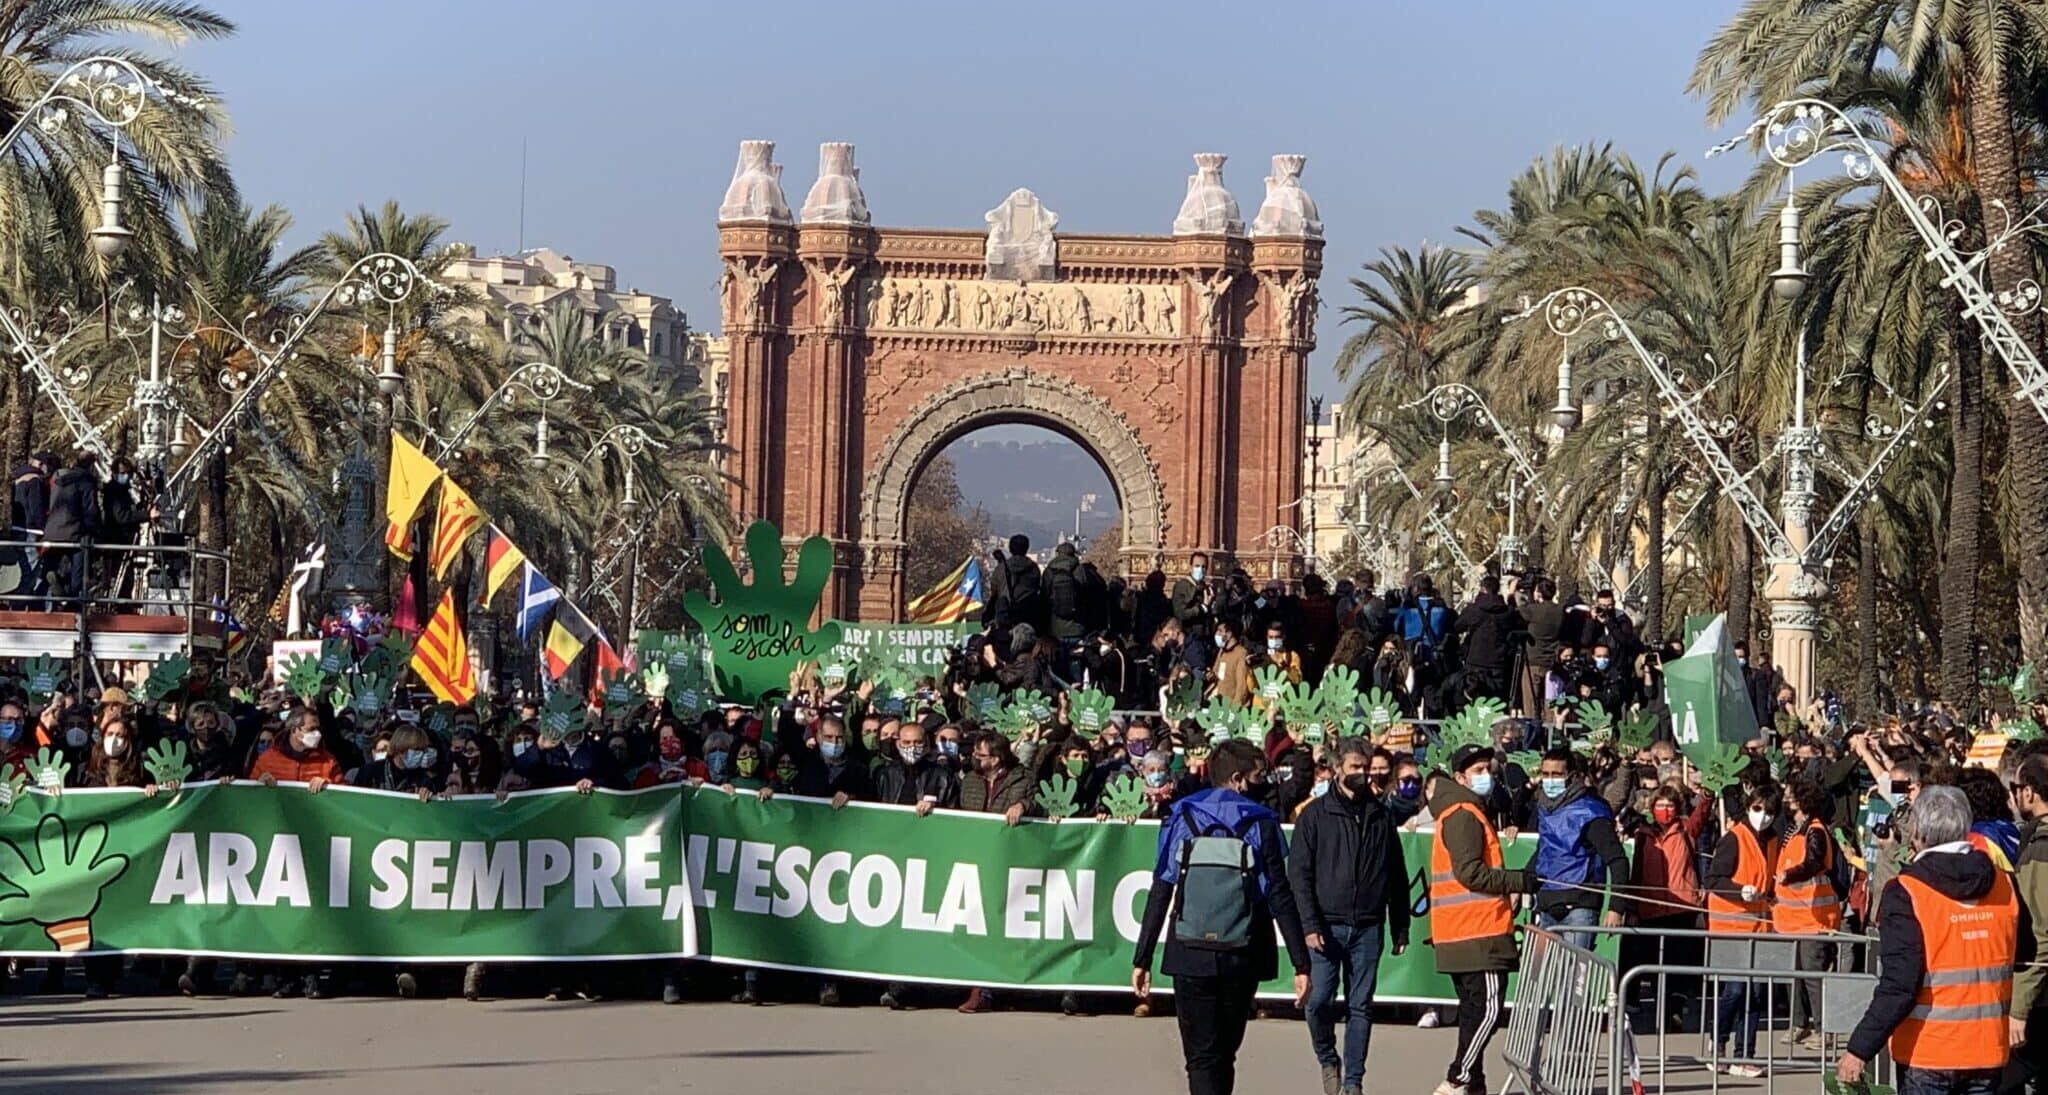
1787 845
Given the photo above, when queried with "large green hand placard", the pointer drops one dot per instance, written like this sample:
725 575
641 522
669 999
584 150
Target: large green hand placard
760 631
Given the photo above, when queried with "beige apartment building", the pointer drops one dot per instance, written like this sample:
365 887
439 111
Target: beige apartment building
520 287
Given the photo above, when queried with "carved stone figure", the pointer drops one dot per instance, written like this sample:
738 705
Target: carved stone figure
915 307
1059 310
984 309
832 282
949 306
755 283
1021 246
1164 313
1134 310
1084 319
1209 296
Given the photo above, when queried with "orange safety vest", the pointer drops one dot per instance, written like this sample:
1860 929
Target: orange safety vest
1958 1016
1752 868
1804 908
1456 913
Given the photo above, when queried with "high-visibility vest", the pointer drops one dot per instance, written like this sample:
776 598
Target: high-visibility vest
1958 1016
1752 868
1456 913
1799 908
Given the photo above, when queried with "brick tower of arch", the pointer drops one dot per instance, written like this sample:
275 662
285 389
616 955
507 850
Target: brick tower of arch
858 353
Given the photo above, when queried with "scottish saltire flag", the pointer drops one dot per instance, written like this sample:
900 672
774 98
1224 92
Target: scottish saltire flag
960 593
536 596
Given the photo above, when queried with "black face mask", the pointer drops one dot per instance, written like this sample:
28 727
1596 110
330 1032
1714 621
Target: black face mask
1356 783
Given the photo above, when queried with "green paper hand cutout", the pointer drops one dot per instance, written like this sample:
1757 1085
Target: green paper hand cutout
1636 732
1088 710
166 763
1218 720
1124 798
984 700
1725 760
1183 699
1380 709
57 882
1597 721
303 676
1299 704
654 681
1471 726
39 677
49 769
1269 682
2024 686
621 689
334 655
1339 693
1056 797
12 787
165 677
561 716
1526 759
760 631
1017 718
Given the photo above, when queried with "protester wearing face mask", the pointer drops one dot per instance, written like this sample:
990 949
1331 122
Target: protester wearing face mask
1276 653
17 738
1738 903
951 749
912 777
831 764
1472 921
572 760
1232 666
410 765
670 763
1578 852
747 772
474 766
1404 792
994 783
1155 774
1665 880
1350 884
298 756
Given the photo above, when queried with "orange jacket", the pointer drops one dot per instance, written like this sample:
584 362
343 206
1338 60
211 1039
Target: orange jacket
286 768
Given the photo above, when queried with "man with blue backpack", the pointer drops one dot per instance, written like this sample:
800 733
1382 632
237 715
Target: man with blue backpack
1221 881
1578 851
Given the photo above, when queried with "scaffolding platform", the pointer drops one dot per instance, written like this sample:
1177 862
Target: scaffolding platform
165 620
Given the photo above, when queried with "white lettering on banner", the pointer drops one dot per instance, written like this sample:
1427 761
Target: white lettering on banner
643 866
338 852
961 907
547 863
597 866
915 918
867 873
486 876
1125 905
230 858
791 891
430 875
1688 730
284 874
830 865
1070 900
1022 902
180 878
387 864
755 856
693 869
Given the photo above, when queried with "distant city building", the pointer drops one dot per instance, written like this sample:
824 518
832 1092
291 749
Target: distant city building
524 286
711 357
1326 467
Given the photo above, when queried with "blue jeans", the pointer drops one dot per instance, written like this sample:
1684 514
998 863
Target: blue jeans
1354 954
1737 1015
1573 918
1927 1081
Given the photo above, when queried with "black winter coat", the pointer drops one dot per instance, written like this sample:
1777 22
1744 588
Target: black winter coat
29 505
74 507
1347 867
1483 629
906 785
1065 597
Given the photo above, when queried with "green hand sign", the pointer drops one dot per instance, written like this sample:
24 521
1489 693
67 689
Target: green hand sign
1124 798
1089 710
760 631
49 769
165 677
166 763
58 881
1056 797
40 675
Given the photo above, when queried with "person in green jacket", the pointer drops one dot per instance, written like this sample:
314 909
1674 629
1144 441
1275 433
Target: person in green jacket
2029 1014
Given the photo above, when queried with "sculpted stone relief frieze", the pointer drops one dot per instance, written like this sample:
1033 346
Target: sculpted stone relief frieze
933 304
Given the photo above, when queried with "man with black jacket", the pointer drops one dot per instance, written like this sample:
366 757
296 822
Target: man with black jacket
1482 629
1214 988
913 778
1350 884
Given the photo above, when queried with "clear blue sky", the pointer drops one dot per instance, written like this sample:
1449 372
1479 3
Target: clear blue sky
1412 114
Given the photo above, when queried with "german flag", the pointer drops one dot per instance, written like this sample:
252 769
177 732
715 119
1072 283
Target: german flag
956 595
501 561
442 656
567 636
454 521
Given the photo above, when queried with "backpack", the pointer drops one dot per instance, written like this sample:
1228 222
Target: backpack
1429 633
1218 892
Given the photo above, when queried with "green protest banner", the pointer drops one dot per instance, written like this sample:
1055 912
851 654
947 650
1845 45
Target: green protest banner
919 649
868 891
761 630
258 872
878 892
1709 702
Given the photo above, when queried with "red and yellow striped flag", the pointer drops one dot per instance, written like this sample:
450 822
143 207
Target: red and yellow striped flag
502 559
442 656
454 521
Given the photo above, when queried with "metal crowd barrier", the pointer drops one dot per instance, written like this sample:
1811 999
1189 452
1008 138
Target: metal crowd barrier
1652 1015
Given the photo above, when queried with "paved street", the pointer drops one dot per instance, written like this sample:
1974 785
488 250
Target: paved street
135 1045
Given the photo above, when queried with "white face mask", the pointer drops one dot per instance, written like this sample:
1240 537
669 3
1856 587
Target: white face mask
1758 819
1196 573
380 754
114 744
1273 646
309 740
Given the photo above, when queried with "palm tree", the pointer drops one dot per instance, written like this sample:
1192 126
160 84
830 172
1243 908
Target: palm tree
50 178
1405 302
1978 51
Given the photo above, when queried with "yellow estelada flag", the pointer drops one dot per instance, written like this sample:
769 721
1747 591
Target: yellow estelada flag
442 656
455 520
412 476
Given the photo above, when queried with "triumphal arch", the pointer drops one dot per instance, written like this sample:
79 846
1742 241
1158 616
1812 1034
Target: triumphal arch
858 353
